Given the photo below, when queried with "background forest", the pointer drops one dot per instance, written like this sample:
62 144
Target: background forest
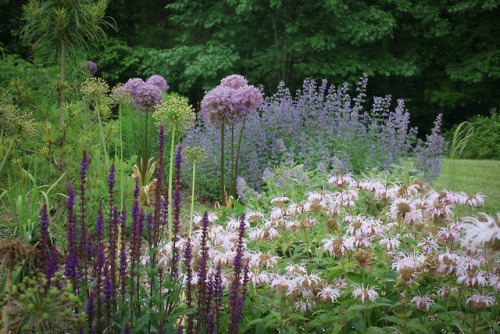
439 56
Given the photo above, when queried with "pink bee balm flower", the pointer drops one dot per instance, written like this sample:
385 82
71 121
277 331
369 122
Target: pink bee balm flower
329 294
423 303
364 294
480 300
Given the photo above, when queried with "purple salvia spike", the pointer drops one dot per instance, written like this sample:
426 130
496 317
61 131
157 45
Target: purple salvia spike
84 166
51 269
99 225
71 263
90 309
43 253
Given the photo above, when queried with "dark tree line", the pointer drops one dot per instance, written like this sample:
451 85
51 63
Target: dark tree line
440 55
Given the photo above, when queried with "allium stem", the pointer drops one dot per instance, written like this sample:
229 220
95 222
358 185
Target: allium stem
222 192
170 176
121 155
145 153
98 110
233 181
192 201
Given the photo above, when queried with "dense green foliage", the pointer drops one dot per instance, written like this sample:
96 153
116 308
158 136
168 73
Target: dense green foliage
440 56
485 141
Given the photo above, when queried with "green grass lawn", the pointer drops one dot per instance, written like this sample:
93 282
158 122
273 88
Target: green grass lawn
473 176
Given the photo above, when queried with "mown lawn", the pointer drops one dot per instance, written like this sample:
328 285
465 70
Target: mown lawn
473 176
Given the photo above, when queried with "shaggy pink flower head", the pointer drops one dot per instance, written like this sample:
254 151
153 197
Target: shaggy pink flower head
364 294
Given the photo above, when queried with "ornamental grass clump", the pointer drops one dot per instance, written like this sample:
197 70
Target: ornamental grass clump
228 104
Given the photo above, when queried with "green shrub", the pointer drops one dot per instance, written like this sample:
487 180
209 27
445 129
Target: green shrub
485 143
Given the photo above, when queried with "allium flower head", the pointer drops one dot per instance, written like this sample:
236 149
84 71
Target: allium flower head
158 81
132 85
147 98
234 81
229 102
91 67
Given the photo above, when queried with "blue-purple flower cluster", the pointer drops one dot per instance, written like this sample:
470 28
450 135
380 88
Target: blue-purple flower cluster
322 124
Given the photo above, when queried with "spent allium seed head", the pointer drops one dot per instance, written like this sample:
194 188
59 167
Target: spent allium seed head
175 113
158 81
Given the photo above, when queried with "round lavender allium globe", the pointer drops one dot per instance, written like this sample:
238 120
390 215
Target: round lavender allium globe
229 102
234 81
132 86
158 81
91 67
145 96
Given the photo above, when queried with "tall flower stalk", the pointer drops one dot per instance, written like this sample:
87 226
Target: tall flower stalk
228 104
176 115
195 154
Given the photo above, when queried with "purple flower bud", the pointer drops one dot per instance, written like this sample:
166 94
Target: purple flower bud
91 67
